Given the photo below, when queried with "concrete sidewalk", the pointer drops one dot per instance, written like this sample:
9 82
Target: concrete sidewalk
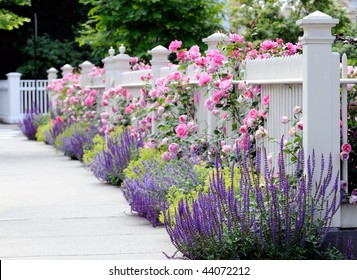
53 208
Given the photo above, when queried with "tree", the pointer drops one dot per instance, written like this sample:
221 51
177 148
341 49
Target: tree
60 20
8 19
52 52
268 19
143 24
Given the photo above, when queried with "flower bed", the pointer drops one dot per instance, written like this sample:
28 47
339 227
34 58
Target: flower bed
218 195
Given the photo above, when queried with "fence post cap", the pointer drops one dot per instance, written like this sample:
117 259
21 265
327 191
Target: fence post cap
86 64
317 28
66 67
111 51
215 37
159 50
317 18
52 70
13 74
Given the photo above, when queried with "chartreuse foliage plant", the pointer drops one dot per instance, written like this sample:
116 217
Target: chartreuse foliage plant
148 191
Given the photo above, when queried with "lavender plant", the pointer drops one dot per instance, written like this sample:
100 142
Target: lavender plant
282 218
109 164
28 124
147 194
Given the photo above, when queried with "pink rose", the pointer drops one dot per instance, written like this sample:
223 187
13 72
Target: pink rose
226 149
183 118
175 45
165 156
297 110
253 114
224 115
266 100
267 45
176 76
192 126
284 119
243 129
182 55
104 115
234 38
300 125
59 119
194 52
226 85
346 148
182 131
173 148
209 104
242 86
160 110
204 79
105 103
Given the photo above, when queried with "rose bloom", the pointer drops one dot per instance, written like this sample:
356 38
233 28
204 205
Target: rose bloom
224 115
243 129
165 156
353 197
183 118
284 119
173 148
174 45
344 156
343 185
204 79
266 100
234 37
192 126
176 76
297 110
226 149
160 110
182 131
300 125
253 114
346 148
104 115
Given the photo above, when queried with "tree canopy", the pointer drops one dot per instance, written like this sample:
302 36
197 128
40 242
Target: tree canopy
143 24
263 19
8 19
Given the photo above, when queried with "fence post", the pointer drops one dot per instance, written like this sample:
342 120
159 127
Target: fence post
86 67
121 65
13 80
159 59
51 74
109 69
321 98
66 69
212 42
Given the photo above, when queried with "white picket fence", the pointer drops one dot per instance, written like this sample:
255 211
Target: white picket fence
311 81
20 96
33 95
